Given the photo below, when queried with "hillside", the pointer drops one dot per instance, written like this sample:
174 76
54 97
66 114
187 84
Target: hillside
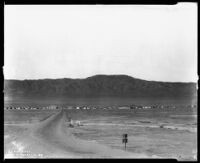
98 86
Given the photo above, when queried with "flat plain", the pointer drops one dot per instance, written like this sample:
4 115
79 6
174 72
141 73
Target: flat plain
152 133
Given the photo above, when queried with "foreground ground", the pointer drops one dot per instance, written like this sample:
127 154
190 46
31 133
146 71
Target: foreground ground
45 134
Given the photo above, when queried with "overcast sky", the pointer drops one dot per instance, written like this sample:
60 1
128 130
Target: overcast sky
148 42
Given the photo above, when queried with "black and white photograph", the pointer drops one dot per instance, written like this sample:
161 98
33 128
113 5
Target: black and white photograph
100 81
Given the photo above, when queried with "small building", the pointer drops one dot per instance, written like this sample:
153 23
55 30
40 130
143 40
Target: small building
123 107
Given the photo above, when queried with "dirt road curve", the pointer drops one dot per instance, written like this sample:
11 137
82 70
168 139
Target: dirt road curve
52 138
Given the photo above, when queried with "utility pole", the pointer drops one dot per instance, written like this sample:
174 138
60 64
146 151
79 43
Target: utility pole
125 139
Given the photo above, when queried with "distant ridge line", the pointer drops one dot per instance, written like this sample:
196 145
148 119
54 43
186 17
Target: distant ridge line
99 86
113 75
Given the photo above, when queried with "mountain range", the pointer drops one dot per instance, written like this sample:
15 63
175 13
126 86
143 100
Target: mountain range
99 86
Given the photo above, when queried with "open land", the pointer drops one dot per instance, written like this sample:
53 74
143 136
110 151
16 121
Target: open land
42 131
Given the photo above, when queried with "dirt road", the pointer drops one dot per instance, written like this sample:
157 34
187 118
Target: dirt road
52 138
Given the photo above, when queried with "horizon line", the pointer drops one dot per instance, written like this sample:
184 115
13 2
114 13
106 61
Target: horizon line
104 75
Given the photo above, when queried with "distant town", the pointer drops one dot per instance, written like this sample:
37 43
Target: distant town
131 107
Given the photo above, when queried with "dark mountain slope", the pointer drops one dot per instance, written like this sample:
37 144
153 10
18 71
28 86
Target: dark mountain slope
98 86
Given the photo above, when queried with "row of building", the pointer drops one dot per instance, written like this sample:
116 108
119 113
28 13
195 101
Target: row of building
161 106
134 107
53 107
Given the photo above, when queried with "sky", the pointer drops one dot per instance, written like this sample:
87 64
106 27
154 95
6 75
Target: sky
64 41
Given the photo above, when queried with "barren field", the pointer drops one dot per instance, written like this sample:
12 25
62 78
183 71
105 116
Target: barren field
151 134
